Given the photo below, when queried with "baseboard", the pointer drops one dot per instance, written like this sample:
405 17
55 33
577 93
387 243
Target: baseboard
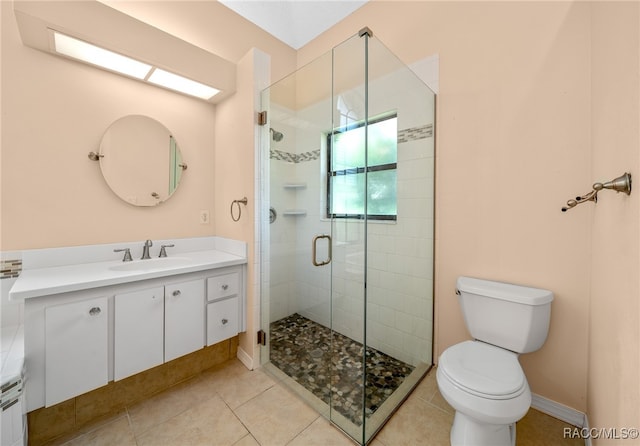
587 440
559 411
245 358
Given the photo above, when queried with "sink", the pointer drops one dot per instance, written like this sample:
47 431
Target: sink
152 264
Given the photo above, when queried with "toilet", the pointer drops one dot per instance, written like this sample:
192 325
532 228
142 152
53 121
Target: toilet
482 379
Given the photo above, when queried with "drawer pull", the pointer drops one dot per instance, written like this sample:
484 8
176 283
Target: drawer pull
95 311
177 293
225 287
224 321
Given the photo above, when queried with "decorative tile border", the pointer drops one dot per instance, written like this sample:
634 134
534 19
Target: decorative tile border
406 135
281 155
10 268
415 133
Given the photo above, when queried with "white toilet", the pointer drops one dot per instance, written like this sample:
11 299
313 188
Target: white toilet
482 379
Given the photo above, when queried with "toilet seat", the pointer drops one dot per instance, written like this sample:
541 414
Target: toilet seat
483 370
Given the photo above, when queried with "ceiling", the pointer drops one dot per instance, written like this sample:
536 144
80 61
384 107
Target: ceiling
295 22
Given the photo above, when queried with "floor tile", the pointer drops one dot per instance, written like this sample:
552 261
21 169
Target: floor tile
247 440
231 405
427 387
117 432
417 422
235 384
321 433
163 406
275 416
208 423
539 429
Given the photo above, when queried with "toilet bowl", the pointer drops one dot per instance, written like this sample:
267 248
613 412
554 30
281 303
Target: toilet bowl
482 379
488 390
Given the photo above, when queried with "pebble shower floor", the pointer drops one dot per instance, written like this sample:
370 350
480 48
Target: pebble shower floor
303 350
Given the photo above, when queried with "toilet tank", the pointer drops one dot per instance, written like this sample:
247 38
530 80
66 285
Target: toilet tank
510 316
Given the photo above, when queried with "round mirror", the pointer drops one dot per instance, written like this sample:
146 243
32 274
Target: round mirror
140 160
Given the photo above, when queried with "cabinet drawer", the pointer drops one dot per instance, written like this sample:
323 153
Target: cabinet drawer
222 320
223 286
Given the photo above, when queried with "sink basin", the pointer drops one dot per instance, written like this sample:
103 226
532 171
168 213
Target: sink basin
152 264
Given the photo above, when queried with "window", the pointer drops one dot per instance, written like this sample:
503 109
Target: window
347 170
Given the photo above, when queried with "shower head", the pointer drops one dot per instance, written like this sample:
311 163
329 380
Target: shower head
276 135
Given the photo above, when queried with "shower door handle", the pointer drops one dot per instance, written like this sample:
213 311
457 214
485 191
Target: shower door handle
314 246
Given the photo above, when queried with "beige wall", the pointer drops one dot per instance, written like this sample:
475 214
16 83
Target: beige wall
54 112
614 328
513 145
235 178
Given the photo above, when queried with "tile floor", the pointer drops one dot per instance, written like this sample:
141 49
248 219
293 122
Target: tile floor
230 405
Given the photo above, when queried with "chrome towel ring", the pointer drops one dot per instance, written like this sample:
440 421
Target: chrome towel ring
237 202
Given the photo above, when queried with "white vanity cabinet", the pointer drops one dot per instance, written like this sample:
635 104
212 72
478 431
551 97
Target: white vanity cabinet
157 325
138 331
76 346
82 338
183 318
223 306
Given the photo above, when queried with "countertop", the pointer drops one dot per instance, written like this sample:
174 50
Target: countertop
63 279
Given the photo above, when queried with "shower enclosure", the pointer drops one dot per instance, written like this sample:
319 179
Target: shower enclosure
347 233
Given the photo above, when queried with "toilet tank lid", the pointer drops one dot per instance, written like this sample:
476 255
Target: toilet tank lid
505 291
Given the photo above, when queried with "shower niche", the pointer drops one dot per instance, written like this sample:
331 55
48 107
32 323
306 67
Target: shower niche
347 287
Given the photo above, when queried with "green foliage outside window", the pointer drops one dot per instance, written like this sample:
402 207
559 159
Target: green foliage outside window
348 169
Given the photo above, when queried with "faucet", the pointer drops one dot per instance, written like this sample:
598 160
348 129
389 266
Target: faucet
145 250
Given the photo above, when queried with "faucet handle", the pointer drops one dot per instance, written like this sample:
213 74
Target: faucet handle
127 254
163 251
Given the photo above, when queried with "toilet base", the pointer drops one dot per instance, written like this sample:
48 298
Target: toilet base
466 431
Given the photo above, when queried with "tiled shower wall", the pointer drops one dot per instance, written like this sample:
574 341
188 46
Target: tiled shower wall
400 254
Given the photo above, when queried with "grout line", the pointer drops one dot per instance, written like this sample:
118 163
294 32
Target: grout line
303 429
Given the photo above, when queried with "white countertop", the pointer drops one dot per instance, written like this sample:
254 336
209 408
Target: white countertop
40 282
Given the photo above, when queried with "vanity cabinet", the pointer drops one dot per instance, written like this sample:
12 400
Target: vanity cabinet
157 325
76 346
138 331
223 306
184 318
80 340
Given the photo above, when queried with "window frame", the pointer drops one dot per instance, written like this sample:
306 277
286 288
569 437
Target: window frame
358 170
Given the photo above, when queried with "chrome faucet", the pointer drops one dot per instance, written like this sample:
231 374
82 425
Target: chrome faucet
145 250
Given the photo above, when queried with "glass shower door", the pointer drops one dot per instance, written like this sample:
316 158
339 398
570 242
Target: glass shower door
347 233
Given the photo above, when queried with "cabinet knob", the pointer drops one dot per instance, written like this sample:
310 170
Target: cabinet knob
224 321
177 293
225 286
95 311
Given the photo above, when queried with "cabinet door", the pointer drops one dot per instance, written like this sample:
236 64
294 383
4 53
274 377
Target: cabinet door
76 349
138 333
183 318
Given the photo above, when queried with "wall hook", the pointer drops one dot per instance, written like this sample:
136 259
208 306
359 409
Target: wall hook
620 184
93 156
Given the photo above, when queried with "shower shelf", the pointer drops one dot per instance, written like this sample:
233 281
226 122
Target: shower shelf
295 185
295 212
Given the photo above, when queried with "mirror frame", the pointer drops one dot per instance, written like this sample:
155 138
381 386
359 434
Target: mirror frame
134 164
